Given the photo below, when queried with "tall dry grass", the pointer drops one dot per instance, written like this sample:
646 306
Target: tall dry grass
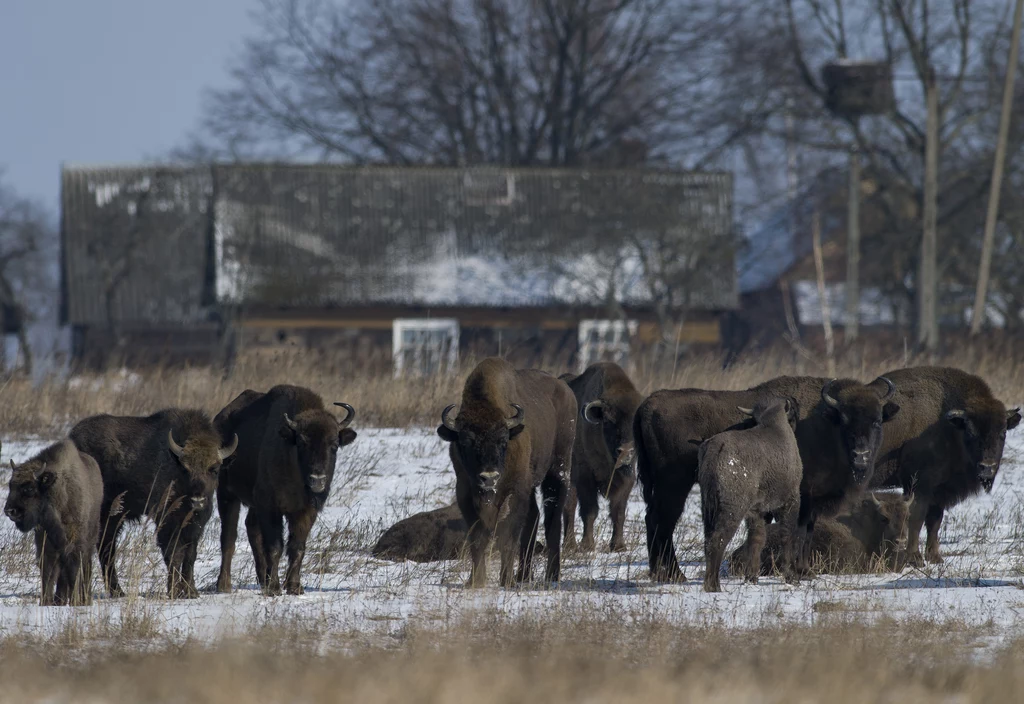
497 659
383 400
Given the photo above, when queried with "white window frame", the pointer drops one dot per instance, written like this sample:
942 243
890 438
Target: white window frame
622 332
472 189
401 325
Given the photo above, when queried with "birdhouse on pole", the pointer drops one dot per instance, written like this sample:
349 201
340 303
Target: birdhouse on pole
857 88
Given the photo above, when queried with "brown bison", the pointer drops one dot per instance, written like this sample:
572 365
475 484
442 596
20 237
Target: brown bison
429 536
58 494
872 536
514 431
287 452
745 474
838 433
945 446
163 467
603 456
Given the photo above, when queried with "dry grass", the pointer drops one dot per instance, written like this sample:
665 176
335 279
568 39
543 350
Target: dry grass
383 400
492 658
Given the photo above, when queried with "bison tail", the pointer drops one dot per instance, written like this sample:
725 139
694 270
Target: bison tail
643 463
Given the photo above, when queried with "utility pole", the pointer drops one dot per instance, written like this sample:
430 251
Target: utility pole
985 267
853 249
927 284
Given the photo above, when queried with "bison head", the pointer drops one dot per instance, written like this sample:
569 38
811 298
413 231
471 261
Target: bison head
481 442
200 458
615 418
983 427
859 410
893 516
317 436
765 410
27 497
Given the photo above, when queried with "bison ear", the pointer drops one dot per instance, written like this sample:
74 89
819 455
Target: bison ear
446 433
346 436
1012 418
46 480
889 411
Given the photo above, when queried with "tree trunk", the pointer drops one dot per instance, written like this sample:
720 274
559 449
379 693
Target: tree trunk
985 266
826 313
853 250
928 331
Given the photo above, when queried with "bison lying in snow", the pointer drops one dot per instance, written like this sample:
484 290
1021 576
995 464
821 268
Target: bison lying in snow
514 431
429 536
945 446
872 536
58 494
603 454
839 432
164 467
288 448
745 474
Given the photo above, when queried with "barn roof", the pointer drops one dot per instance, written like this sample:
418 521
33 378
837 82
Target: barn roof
154 243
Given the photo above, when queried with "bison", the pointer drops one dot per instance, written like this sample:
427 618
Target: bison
58 494
429 536
946 446
164 467
288 449
514 431
872 536
838 433
745 474
603 456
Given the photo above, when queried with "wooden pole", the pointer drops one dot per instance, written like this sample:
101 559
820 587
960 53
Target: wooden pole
927 285
826 315
985 266
852 322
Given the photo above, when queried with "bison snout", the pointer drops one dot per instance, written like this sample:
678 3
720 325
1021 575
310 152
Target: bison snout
198 503
14 514
317 483
487 481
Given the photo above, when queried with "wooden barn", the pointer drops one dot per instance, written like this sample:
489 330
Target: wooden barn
408 267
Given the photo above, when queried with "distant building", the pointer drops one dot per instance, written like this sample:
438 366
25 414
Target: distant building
408 267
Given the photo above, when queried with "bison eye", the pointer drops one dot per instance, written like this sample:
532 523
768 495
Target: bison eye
28 490
214 469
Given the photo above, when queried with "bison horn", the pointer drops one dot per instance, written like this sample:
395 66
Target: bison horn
447 421
957 414
292 425
349 417
745 411
175 447
826 395
516 420
875 501
12 464
909 499
226 452
593 412
890 388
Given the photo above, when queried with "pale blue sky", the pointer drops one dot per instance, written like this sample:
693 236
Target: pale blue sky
105 80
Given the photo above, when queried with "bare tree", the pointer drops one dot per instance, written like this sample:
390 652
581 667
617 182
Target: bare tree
27 245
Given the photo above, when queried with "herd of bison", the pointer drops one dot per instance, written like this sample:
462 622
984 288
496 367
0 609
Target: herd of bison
796 458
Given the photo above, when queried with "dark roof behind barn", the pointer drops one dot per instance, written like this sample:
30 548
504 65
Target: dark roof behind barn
170 244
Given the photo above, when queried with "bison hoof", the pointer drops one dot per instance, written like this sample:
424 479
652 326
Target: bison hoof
587 546
712 587
223 587
116 593
934 558
617 546
914 559
295 589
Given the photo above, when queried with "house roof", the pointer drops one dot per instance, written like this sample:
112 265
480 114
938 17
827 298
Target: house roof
325 235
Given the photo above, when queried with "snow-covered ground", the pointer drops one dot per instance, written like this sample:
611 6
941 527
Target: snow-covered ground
390 474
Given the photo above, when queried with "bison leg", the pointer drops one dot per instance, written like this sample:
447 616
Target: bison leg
664 565
479 537
259 553
915 521
527 540
70 582
618 497
228 506
111 529
49 569
588 512
170 541
788 517
756 537
299 526
508 535
932 523
188 566
569 519
272 528
554 489
717 535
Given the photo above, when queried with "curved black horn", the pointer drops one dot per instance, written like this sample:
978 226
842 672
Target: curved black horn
291 424
588 410
956 414
348 418
226 452
447 421
175 447
517 419
890 388
827 397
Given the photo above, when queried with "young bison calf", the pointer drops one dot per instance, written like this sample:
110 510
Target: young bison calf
58 494
872 536
747 474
